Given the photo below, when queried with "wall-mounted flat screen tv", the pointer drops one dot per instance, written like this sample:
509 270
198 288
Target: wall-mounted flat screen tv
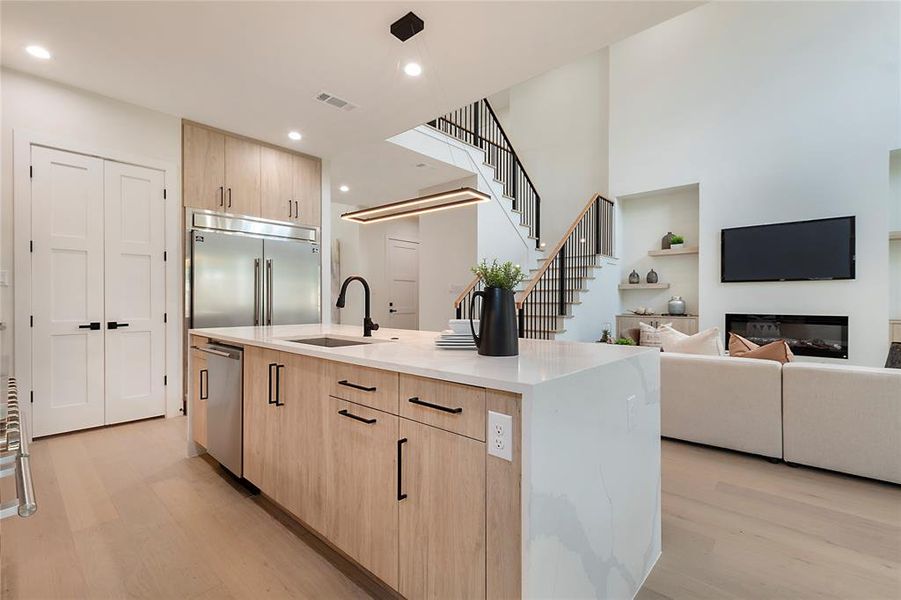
799 251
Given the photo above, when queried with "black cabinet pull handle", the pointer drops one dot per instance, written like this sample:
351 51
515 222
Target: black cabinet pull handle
278 384
289 209
204 375
229 197
115 325
296 210
221 195
400 469
344 413
271 381
93 326
355 386
416 400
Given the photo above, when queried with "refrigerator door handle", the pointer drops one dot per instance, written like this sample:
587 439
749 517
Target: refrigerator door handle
268 291
256 291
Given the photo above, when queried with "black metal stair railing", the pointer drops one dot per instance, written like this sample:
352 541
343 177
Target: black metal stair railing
549 294
477 124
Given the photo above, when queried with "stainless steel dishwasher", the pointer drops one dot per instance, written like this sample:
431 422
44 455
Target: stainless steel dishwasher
224 412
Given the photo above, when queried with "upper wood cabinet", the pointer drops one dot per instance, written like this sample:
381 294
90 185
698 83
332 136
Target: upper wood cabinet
242 177
236 175
203 158
308 189
277 200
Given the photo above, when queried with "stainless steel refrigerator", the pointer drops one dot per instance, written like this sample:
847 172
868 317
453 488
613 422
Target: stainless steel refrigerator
248 271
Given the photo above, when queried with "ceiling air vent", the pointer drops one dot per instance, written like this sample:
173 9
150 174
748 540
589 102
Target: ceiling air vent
335 101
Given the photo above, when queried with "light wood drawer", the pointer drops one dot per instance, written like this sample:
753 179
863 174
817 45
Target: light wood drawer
370 387
450 406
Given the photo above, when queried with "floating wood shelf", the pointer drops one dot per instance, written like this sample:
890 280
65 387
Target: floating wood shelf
894 235
643 286
673 251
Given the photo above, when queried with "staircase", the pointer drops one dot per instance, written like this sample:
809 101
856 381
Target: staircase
555 286
546 299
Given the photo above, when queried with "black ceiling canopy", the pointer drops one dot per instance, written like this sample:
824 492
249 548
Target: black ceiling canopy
407 26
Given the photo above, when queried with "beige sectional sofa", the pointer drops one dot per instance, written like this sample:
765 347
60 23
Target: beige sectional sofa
843 418
837 417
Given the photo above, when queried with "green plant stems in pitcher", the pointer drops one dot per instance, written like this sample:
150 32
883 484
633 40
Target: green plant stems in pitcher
505 276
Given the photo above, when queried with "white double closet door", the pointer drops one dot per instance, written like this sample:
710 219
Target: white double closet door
98 291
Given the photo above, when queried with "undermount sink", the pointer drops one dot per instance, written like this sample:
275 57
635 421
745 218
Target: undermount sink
330 342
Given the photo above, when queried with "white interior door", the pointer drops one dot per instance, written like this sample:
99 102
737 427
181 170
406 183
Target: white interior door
403 284
135 292
67 291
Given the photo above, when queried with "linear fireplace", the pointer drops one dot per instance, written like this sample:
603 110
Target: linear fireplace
807 335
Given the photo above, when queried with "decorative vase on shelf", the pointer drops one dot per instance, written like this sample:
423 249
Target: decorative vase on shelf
652 276
676 306
634 277
666 242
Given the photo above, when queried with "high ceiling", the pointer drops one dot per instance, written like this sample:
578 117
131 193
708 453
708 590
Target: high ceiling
255 67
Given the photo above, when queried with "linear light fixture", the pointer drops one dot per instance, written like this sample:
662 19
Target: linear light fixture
417 206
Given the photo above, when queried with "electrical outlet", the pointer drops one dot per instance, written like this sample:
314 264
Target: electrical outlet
500 435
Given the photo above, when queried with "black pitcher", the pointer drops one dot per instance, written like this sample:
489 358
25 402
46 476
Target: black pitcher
498 333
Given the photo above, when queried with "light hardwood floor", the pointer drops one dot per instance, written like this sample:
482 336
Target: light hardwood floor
122 513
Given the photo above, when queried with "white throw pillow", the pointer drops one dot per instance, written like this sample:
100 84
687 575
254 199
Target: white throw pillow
650 335
707 342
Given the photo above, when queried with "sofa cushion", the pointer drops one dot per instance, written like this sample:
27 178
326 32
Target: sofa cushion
778 351
739 345
706 342
650 335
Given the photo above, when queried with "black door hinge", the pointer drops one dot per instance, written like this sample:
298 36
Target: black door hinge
31 245
165 380
164 193
32 396
165 256
30 172
31 320
165 317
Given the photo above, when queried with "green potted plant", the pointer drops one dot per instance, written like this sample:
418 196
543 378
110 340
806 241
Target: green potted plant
677 242
498 330
624 341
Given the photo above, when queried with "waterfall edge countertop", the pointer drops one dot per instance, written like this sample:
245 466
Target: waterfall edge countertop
414 352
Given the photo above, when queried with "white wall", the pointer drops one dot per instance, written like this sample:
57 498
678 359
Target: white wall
645 219
90 120
895 245
782 111
363 252
558 125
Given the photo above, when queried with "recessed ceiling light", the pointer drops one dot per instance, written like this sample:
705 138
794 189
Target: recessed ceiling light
294 135
344 188
38 52
413 69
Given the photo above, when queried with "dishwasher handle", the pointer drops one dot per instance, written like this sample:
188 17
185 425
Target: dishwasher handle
234 355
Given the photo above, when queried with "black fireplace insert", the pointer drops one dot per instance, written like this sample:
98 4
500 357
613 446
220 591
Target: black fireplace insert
806 335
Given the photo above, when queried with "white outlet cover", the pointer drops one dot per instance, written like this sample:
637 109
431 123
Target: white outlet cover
500 435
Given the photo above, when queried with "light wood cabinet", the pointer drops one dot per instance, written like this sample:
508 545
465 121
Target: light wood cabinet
308 189
451 406
261 419
242 176
277 199
442 513
200 388
362 491
301 438
203 160
232 174
374 388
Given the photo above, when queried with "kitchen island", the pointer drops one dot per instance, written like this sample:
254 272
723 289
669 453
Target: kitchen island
451 475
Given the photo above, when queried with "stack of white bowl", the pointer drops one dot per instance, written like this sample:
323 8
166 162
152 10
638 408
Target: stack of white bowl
458 337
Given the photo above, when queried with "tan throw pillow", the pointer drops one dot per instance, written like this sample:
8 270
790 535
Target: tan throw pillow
739 345
650 335
778 351
706 342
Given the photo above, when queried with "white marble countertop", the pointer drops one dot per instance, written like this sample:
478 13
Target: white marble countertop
415 353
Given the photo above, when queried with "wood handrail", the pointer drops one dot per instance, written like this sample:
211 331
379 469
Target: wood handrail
550 257
466 290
